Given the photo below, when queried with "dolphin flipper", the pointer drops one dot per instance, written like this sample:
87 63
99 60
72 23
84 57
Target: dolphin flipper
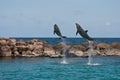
77 32
54 32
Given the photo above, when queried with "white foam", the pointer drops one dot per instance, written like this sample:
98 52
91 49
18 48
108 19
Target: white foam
93 64
64 62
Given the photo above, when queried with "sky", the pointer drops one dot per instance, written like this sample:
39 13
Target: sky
35 18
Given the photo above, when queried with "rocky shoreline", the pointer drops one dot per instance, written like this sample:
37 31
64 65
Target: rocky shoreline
37 48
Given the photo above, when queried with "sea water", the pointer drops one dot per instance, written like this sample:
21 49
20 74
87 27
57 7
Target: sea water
50 69
72 41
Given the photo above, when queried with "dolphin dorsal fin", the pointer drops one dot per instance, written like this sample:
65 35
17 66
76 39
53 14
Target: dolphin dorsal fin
86 31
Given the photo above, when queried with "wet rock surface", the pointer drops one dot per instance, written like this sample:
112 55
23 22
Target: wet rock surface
37 48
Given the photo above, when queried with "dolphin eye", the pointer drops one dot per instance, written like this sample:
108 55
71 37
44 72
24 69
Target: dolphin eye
86 31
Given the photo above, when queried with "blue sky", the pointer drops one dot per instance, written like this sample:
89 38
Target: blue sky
35 18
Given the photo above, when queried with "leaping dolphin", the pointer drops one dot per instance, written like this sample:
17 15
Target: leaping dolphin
57 31
83 32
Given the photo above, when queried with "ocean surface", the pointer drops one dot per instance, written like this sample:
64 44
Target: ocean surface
72 41
38 68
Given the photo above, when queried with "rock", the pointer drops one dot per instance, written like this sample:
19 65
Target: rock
48 53
99 53
103 46
62 49
36 42
58 47
31 47
113 52
86 45
5 51
48 50
56 56
78 47
20 43
7 46
38 48
11 42
115 45
27 53
76 53
93 52
16 53
38 51
3 42
22 48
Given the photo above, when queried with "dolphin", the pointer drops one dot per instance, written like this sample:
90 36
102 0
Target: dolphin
83 32
57 31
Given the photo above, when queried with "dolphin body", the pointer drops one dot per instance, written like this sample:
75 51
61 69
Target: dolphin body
82 32
57 31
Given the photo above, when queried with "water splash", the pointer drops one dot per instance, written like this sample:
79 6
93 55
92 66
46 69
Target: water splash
90 53
93 64
64 50
90 61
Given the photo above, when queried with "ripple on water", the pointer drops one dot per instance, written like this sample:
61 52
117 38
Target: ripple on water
52 69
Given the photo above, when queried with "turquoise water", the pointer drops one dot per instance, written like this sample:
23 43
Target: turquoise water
51 69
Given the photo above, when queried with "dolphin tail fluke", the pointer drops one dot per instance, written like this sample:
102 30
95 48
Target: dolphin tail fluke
64 37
